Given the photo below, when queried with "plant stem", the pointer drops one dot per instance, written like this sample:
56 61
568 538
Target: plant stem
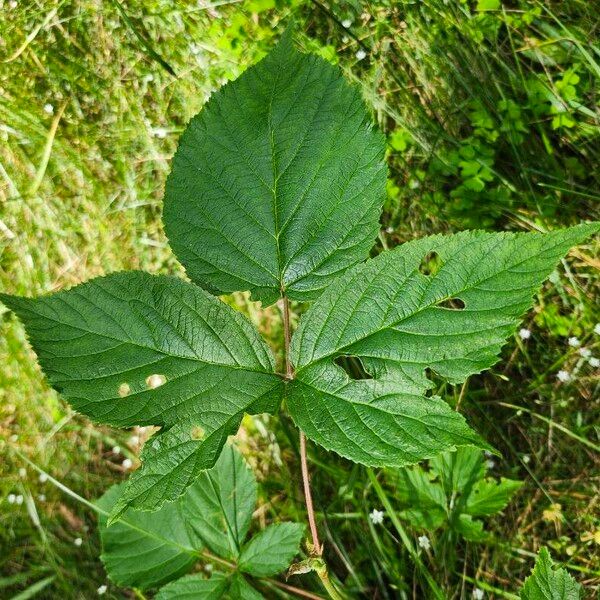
316 551
317 547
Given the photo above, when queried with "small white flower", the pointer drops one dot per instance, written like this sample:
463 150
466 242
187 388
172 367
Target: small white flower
424 542
389 230
22 472
360 54
563 376
585 352
42 497
116 450
490 464
526 459
478 594
574 342
48 109
102 590
78 542
43 477
597 329
13 4
159 132
594 362
19 499
524 334
127 463
148 78
346 23
376 516
11 498
14 437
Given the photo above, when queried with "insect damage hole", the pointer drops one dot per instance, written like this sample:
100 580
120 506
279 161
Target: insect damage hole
353 366
431 264
452 304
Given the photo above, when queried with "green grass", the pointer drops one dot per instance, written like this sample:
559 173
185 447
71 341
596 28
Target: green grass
80 193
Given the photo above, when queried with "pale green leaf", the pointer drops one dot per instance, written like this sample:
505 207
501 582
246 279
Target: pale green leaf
549 583
137 349
195 587
489 496
414 487
430 518
399 322
145 550
278 182
272 550
218 507
458 471
471 529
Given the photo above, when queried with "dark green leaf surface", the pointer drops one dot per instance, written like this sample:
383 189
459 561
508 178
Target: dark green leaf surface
218 507
144 549
241 590
272 550
137 349
396 320
278 183
195 587
549 583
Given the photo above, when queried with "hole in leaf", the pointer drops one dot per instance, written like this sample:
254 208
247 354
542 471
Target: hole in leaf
452 304
353 367
430 264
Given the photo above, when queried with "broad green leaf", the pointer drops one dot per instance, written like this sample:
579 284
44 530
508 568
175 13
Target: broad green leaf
137 349
489 496
195 587
272 550
218 507
145 550
399 322
241 590
549 583
277 184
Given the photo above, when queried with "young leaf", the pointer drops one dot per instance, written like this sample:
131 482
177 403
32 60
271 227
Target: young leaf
218 507
548 583
278 183
162 539
489 496
137 349
271 551
471 529
458 471
193 587
400 321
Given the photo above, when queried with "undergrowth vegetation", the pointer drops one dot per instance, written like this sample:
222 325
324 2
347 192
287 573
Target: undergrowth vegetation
491 117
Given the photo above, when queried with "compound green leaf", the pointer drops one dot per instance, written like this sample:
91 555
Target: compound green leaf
195 587
137 349
218 507
471 529
145 550
278 182
399 321
548 583
272 550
